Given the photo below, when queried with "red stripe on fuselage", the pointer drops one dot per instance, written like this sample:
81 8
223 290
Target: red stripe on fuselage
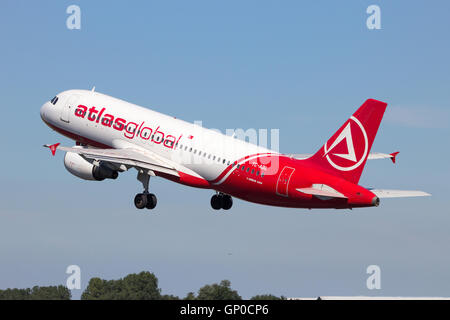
231 166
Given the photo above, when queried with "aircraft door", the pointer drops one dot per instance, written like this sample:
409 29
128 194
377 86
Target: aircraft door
283 181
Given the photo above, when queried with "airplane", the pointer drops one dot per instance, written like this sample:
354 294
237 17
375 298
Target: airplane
112 136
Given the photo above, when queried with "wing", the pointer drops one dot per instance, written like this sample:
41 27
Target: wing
128 156
384 193
372 156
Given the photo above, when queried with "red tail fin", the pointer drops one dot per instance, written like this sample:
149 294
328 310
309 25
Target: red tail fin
345 153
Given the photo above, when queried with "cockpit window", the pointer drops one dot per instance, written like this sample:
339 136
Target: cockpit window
54 100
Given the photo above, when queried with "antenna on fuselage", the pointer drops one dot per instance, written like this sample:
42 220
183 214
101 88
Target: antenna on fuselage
93 89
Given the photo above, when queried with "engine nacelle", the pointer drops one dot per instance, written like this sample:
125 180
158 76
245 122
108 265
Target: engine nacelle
81 168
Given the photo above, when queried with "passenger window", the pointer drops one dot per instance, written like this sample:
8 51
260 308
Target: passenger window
257 173
248 169
190 150
242 168
224 160
253 171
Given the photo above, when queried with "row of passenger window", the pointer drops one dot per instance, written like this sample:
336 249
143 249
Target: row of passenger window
253 171
214 158
204 154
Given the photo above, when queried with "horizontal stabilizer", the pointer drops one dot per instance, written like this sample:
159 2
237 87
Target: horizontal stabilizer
378 155
384 193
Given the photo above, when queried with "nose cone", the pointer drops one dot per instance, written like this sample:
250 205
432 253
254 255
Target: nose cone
44 110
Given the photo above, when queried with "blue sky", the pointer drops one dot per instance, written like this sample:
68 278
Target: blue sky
299 66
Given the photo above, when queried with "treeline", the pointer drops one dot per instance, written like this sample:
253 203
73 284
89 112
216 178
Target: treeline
37 293
142 286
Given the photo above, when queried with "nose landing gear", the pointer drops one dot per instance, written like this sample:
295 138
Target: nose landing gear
221 201
145 199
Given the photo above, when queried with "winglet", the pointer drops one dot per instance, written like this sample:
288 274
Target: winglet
52 147
394 154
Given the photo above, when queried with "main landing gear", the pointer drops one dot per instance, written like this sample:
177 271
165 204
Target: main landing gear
221 201
145 199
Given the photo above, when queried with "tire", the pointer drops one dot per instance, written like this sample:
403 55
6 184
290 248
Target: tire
151 201
140 201
227 202
216 202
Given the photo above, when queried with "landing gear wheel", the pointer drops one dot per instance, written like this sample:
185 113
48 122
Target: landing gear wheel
140 200
216 202
151 201
227 202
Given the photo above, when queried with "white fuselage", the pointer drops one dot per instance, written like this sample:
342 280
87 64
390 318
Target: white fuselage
186 145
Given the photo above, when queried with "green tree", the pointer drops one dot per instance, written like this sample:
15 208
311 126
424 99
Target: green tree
142 286
37 293
94 290
15 294
50 293
220 291
190 296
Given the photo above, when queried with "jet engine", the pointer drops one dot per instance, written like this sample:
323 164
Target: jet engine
81 168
